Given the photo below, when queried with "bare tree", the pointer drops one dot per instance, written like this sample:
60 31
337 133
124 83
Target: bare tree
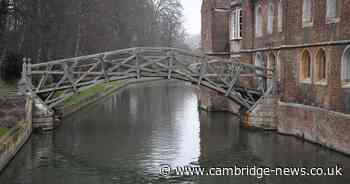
45 30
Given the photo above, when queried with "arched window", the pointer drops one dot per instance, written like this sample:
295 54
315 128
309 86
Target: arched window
271 63
278 65
320 66
346 67
280 16
258 21
305 66
331 10
270 17
307 12
259 61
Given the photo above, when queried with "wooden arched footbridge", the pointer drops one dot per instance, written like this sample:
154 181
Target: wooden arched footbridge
52 82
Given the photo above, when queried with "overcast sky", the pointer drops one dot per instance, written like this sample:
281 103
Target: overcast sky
192 16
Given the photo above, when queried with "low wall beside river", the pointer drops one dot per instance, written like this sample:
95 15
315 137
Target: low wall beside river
13 140
211 100
328 128
11 110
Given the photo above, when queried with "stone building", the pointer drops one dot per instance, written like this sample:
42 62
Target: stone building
308 43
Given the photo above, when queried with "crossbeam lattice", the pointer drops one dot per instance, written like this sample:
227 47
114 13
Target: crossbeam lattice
55 81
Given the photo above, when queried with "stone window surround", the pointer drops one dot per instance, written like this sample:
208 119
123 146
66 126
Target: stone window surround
259 60
305 80
278 65
345 59
330 19
235 24
271 61
307 13
258 20
270 18
313 65
322 81
280 16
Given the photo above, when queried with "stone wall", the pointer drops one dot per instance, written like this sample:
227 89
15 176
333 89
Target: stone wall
215 27
43 117
13 140
211 100
328 128
329 95
264 115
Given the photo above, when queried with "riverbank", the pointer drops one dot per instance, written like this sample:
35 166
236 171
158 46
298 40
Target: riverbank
12 139
128 136
327 128
95 93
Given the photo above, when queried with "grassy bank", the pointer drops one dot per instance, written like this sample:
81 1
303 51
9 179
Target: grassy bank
7 88
3 131
93 92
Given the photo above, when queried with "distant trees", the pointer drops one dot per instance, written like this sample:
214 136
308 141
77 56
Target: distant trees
50 29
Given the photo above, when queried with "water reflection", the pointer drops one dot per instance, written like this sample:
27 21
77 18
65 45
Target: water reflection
125 139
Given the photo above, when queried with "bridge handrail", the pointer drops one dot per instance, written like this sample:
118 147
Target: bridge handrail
208 59
71 74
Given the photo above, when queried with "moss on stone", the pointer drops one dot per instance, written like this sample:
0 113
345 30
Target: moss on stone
3 131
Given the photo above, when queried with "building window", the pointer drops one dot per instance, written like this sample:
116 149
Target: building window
278 66
320 66
270 17
346 68
236 23
258 21
305 66
11 4
271 63
307 13
332 11
280 16
260 62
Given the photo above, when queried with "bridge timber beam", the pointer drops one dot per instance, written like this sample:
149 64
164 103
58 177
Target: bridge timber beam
54 81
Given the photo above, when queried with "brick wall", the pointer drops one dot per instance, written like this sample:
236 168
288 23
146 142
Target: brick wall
330 96
327 128
215 27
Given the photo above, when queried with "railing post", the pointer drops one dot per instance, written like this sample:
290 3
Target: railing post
202 72
170 54
29 71
137 58
69 75
22 84
274 81
103 66
24 70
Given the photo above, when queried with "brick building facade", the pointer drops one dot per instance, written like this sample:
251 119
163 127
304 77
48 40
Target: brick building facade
310 54
307 41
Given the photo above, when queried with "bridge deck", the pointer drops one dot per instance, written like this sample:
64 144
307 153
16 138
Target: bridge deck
55 81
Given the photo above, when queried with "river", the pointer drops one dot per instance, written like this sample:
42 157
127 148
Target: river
127 137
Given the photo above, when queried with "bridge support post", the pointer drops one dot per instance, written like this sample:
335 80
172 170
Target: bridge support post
137 60
202 72
103 66
171 56
69 74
